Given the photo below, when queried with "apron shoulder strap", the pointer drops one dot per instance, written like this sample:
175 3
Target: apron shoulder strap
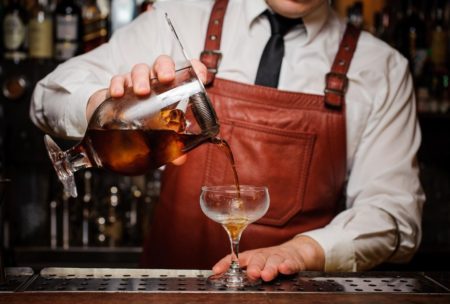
336 80
211 54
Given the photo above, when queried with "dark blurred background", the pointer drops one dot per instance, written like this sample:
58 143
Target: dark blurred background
105 225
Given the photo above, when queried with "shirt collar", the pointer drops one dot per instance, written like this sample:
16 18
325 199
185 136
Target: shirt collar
253 9
313 22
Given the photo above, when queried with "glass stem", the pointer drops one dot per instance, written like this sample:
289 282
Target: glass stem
234 267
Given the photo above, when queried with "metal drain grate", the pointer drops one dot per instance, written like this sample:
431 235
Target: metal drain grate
367 282
16 277
57 279
140 280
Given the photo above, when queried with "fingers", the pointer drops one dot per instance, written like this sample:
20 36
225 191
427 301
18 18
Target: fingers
255 262
267 263
264 264
118 84
200 69
222 265
164 69
290 266
140 79
270 270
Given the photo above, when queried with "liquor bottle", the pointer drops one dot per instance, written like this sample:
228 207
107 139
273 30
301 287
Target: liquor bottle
447 21
122 13
438 71
385 22
87 206
439 37
355 14
2 140
15 23
1 27
41 31
114 230
130 214
67 30
146 5
411 38
95 26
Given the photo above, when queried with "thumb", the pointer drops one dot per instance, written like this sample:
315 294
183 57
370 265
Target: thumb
222 265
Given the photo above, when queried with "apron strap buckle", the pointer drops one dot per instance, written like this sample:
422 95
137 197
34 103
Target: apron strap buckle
335 88
211 59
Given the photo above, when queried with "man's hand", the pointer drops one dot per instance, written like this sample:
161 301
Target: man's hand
139 79
300 253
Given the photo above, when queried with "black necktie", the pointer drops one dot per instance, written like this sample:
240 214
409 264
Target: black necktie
270 63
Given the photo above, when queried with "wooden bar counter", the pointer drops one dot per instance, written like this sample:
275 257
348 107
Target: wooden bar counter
99 285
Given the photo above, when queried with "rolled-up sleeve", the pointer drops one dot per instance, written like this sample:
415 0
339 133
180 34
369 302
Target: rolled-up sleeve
382 221
60 108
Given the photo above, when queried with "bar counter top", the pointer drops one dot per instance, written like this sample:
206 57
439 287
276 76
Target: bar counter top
101 285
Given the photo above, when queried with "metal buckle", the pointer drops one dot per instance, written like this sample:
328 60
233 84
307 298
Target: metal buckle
334 91
340 77
217 53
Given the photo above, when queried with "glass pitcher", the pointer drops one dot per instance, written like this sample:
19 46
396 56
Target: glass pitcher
132 135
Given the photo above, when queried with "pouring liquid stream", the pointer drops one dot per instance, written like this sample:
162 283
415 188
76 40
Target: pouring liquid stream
225 147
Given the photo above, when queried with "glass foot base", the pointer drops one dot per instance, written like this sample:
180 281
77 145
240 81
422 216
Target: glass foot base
61 165
233 280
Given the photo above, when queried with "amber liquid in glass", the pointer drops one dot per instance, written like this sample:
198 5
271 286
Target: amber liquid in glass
135 152
235 226
131 151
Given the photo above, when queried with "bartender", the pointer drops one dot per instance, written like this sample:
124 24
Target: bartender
320 113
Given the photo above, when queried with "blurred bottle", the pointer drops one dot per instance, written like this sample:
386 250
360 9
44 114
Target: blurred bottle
438 72
2 138
67 30
133 203
95 26
41 31
355 14
385 23
146 5
15 27
114 229
122 13
439 36
447 21
87 206
152 191
412 39
1 27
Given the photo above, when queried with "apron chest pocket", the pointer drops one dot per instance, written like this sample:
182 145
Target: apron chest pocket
279 159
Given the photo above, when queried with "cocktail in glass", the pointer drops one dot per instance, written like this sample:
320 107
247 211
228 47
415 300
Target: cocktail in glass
234 208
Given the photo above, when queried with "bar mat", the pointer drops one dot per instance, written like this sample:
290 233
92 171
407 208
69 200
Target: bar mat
146 280
16 277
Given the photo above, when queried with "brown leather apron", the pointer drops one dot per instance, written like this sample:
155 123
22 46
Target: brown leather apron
294 143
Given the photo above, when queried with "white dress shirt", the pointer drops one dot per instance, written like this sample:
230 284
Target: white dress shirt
384 196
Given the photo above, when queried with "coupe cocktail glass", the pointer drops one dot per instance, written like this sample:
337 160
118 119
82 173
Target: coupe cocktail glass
234 208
